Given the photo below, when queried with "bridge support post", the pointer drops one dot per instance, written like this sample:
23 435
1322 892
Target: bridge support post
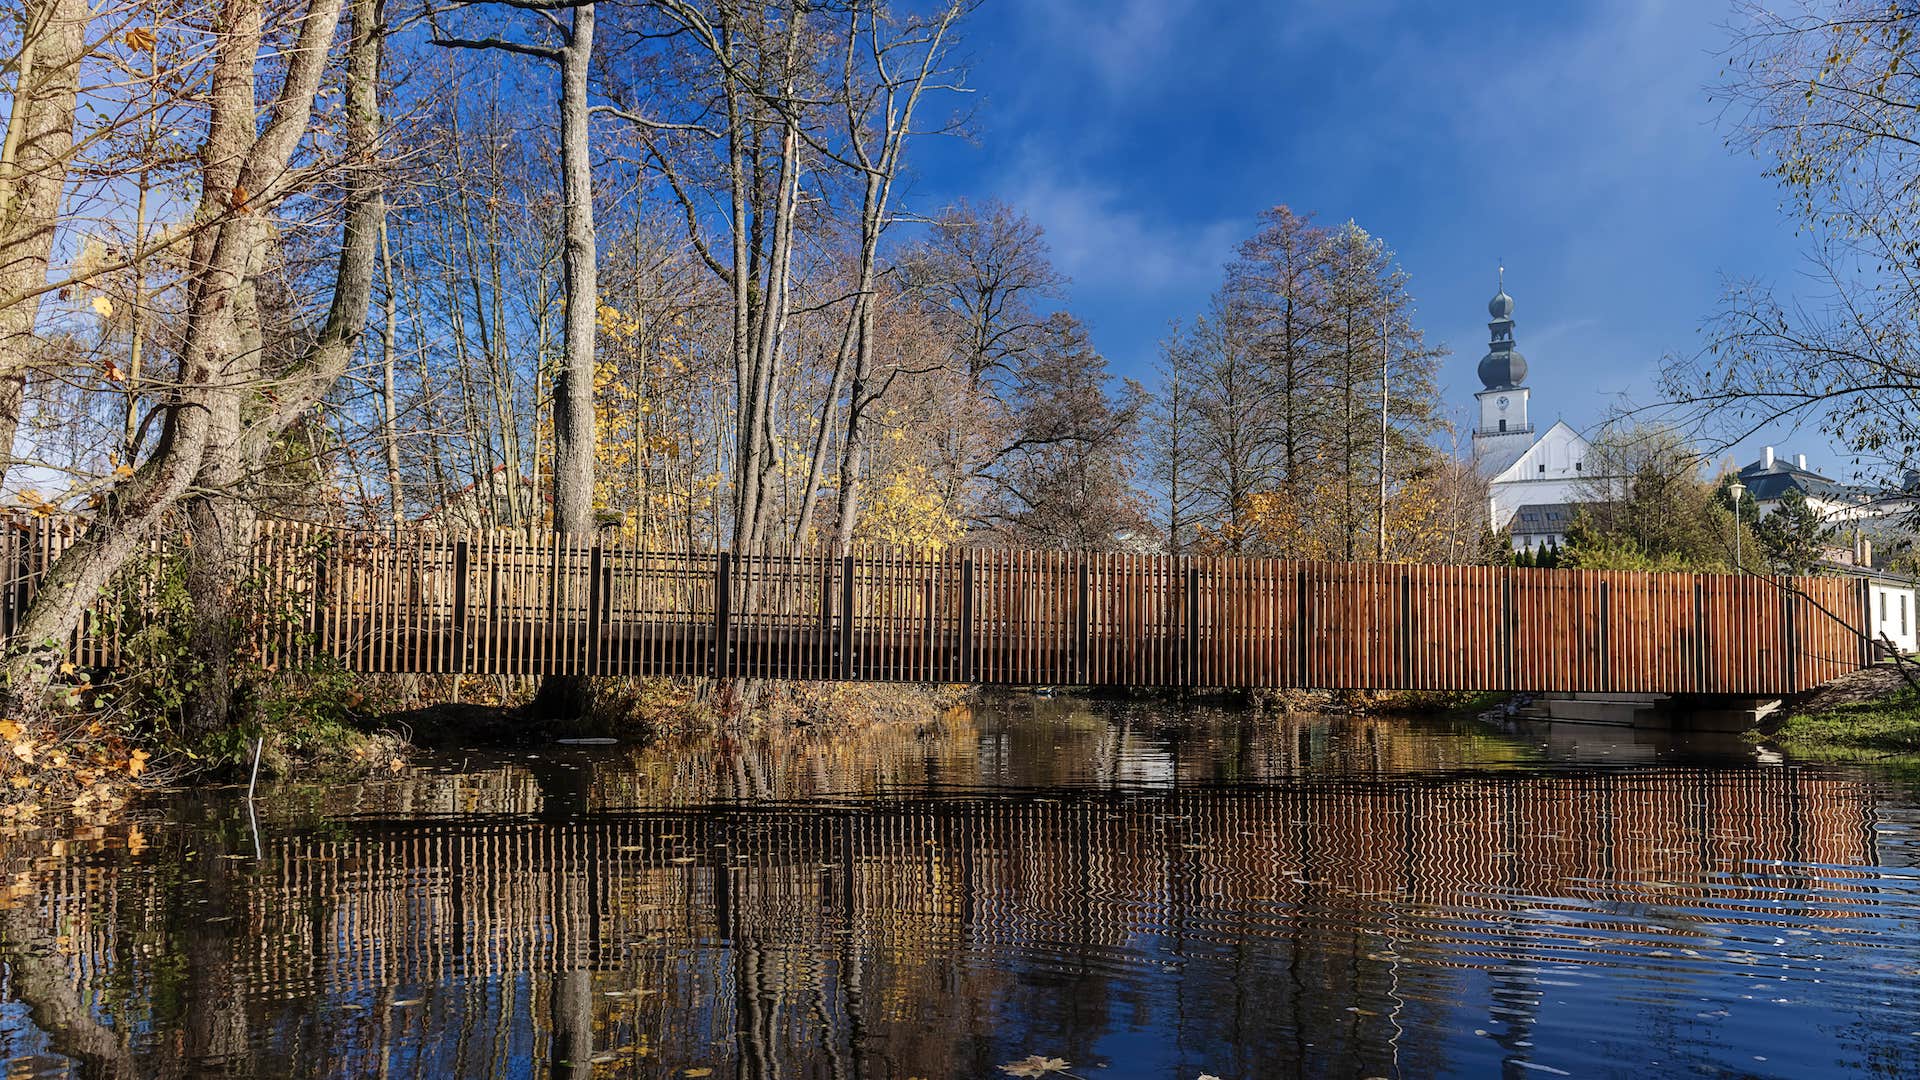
1789 616
1864 632
1083 633
462 560
1190 648
1698 641
319 604
966 620
722 612
822 653
1407 630
1604 676
1509 634
846 618
596 607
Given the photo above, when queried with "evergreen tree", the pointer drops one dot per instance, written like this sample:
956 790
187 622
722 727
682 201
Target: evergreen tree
1793 536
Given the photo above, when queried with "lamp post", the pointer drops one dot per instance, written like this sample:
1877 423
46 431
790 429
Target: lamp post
1380 526
1737 491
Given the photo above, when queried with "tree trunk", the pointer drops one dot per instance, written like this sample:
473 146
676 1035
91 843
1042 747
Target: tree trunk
221 524
389 407
567 697
33 174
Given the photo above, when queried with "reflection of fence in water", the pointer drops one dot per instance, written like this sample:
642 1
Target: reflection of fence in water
405 902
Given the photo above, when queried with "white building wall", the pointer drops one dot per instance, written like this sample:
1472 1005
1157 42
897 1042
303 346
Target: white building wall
1508 496
1552 470
1890 613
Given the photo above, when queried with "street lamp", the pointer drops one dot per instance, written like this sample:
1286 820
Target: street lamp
1736 491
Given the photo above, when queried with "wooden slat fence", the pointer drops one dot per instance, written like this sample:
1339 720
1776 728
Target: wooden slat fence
502 603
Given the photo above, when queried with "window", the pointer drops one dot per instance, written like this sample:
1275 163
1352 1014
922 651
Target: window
1903 615
1883 607
1543 466
1503 425
1576 466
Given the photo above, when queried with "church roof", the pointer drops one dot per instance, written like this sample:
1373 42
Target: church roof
1503 367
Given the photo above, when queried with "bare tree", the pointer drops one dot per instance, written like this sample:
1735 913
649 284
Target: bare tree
575 445
213 347
1829 98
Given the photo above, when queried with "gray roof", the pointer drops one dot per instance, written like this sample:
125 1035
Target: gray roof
1766 485
1543 518
1503 368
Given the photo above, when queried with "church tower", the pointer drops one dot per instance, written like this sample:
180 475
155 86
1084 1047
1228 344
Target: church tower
1504 431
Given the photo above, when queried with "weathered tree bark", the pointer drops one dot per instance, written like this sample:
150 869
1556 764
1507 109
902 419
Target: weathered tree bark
224 514
568 697
33 173
221 524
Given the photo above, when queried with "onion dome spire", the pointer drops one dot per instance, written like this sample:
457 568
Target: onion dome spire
1503 367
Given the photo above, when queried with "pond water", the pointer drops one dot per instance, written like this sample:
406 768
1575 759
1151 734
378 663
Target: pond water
1132 890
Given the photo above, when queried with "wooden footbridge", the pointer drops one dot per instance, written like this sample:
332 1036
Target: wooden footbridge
506 604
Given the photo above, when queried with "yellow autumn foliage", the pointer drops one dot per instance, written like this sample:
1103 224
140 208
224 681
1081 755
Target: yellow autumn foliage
907 510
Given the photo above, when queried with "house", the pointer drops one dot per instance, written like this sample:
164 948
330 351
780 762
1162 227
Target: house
492 503
1533 481
1891 610
1773 477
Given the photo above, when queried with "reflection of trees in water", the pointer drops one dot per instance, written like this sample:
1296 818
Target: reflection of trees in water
909 934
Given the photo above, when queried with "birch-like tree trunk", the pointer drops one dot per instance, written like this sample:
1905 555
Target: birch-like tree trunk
33 172
566 697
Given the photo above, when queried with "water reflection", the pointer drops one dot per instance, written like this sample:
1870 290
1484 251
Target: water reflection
1142 898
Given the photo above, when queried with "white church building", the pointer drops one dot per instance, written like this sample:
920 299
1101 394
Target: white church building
1533 478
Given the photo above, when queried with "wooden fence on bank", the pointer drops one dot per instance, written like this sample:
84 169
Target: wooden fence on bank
503 604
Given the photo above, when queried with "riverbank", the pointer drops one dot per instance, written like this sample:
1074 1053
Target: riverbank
1872 711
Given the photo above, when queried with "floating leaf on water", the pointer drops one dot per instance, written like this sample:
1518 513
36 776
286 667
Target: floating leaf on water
1035 1065
404 1002
702 1071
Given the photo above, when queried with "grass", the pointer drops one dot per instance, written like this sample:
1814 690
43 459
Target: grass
1890 724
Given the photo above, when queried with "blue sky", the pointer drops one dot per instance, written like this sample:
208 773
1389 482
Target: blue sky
1576 142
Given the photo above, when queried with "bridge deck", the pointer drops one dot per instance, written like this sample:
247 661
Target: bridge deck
497 603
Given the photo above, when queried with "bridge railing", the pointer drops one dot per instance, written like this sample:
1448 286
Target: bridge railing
504 603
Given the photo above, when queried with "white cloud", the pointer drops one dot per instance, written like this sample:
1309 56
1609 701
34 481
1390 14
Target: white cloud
1120 41
1108 244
